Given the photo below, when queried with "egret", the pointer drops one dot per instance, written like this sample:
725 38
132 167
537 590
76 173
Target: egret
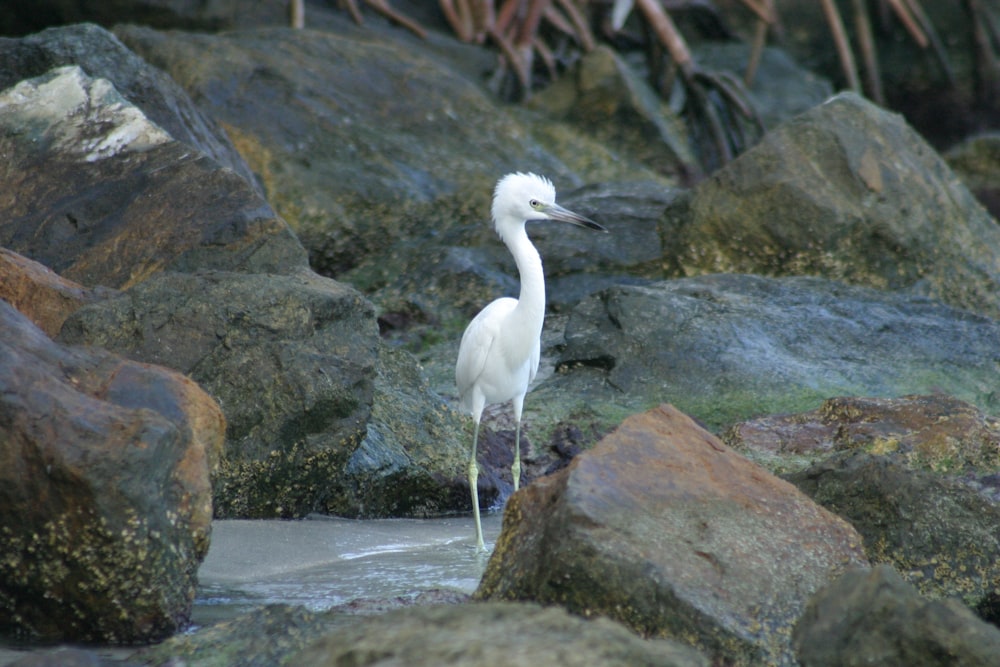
498 356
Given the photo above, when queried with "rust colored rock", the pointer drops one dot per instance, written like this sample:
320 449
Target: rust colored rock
662 527
40 293
105 500
933 431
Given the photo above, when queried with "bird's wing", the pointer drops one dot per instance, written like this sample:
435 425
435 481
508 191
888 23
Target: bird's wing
477 341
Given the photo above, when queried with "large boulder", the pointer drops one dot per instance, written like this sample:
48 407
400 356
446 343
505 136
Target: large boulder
321 418
663 528
396 108
415 113
486 634
873 617
106 197
728 347
942 535
850 192
105 499
291 359
100 54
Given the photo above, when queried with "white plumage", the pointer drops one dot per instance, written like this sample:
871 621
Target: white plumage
498 356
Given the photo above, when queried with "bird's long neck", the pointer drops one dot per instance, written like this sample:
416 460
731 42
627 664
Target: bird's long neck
531 302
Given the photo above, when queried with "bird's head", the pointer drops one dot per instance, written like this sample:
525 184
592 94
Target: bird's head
519 198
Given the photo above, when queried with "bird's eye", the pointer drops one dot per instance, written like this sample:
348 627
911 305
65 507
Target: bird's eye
535 203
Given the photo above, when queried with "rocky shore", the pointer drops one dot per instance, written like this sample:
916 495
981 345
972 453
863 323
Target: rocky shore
235 267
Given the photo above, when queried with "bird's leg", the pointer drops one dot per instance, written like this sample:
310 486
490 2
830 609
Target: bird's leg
473 486
515 470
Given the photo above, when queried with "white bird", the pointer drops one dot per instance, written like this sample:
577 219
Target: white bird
498 356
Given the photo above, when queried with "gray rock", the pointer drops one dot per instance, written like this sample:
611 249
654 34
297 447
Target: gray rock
107 197
262 637
493 634
413 459
100 54
781 87
977 161
728 347
420 130
432 140
873 617
106 506
942 536
604 98
62 657
321 418
849 192
663 528
290 358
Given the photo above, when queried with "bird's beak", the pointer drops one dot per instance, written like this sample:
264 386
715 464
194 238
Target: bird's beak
560 214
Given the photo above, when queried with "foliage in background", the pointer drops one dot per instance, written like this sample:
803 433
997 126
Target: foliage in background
537 40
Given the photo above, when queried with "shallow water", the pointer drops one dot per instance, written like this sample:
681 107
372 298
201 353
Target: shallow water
324 562
321 563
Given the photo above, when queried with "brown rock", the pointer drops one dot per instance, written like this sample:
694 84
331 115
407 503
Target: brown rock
104 196
105 500
40 293
662 527
933 431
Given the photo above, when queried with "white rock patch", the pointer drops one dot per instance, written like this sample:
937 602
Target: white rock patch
79 115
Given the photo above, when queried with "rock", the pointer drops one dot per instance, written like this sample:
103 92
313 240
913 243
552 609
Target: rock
321 418
291 359
474 635
940 534
936 432
62 657
413 459
409 109
106 510
434 628
40 293
79 156
270 634
100 54
663 528
604 98
261 637
849 192
977 161
781 87
306 141
873 617
728 347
